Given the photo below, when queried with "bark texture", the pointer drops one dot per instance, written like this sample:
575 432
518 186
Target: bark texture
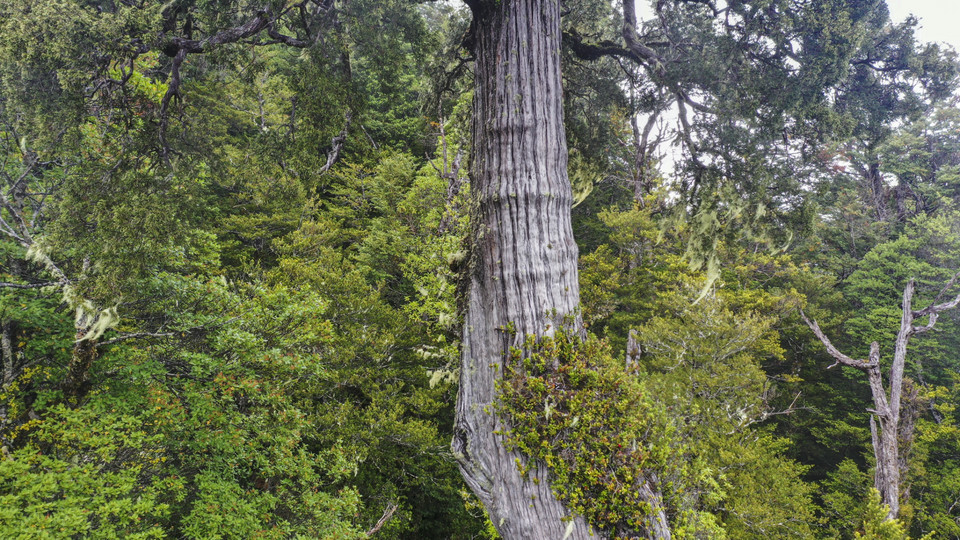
888 437
523 270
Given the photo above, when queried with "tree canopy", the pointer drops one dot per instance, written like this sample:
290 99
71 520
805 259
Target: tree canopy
263 261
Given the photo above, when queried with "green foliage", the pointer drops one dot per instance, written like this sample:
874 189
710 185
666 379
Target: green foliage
923 157
687 419
876 526
870 263
714 371
618 282
176 433
926 251
51 52
935 467
295 398
280 355
845 494
600 278
573 409
702 365
72 478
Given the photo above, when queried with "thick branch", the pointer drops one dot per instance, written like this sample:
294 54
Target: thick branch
929 326
634 350
834 352
173 89
634 50
180 47
593 51
639 51
937 308
900 348
285 39
337 143
657 526
250 28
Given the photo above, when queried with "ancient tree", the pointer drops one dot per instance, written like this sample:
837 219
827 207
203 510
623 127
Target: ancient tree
524 259
887 402
522 273
523 262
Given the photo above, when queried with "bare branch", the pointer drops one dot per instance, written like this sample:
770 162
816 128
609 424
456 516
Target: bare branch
28 285
373 143
16 214
900 347
6 229
44 259
834 352
387 514
338 141
936 308
136 335
921 329
792 408
890 435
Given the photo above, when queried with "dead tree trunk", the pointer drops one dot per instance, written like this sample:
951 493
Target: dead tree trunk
887 405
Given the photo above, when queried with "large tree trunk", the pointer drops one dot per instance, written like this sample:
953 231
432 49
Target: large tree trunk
523 270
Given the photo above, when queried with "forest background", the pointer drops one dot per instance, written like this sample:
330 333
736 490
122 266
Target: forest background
234 237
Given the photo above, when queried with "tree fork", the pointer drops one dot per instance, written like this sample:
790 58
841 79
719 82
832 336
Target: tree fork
885 440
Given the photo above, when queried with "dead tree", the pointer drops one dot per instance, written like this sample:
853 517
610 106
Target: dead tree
887 404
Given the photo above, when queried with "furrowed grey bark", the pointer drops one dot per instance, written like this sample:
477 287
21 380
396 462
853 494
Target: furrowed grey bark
523 263
523 270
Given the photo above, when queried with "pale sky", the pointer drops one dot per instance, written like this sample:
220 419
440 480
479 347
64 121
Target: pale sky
939 19
939 22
